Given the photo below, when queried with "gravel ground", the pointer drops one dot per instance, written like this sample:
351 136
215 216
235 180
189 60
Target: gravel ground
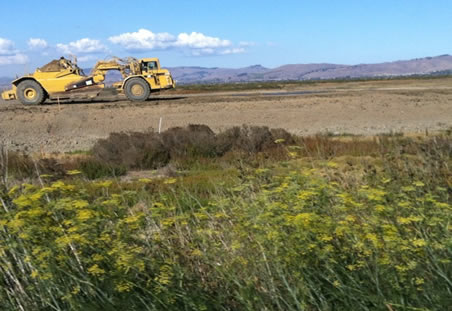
365 108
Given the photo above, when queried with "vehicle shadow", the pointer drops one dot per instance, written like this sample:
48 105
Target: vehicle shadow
116 99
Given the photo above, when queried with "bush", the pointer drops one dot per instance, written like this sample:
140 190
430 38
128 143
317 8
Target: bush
248 139
20 166
94 169
191 141
151 150
133 150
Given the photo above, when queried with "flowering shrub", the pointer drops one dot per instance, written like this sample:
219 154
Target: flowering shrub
283 237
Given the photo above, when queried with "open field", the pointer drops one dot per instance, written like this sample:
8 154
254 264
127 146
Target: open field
364 108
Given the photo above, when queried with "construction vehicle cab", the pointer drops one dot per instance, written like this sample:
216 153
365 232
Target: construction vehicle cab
155 77
63 79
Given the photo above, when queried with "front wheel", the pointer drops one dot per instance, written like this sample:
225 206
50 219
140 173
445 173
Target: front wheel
30 92
137 89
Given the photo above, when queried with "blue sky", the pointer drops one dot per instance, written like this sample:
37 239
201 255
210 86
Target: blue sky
223 33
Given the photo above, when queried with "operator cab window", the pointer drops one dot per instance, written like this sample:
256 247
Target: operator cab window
149 66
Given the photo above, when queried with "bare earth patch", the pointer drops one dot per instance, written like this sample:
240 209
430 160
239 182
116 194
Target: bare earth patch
366 108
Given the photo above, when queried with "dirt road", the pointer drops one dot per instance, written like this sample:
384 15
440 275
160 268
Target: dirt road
366 108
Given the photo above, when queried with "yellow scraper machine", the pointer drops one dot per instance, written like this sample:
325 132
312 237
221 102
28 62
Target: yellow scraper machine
62 79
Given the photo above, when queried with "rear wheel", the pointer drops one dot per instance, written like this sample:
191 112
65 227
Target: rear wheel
137 89
30 92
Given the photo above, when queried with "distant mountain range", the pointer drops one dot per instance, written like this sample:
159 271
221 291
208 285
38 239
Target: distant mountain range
439 65
5 82
420 66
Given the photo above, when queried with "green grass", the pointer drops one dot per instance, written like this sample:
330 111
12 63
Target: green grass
278 85
359 224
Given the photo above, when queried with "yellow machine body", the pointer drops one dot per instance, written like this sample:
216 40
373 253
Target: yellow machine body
55 82
63 79
147 68
10 94
154 75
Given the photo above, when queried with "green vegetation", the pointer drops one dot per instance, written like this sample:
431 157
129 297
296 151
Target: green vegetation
324 223
282 85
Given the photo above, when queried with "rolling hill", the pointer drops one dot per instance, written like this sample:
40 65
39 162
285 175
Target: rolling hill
420 66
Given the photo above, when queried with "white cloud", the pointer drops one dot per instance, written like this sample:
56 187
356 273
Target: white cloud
143 39
233 51
37 44
201 52
195 43
82 46
7 47
17 59
198 40
86 58
9 55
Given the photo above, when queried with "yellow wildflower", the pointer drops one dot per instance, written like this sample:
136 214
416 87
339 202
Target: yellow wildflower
103 184
196 252
418 184
326 238
36 196
306 195
332 164
96 270
293 154
123 287
73 172
13 190
85 214
170 181
303 218
80 204
22 201
419 242
45 176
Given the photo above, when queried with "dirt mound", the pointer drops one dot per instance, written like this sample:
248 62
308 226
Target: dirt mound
54 66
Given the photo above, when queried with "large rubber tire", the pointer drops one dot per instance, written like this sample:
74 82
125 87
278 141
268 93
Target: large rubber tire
137 90
30 92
